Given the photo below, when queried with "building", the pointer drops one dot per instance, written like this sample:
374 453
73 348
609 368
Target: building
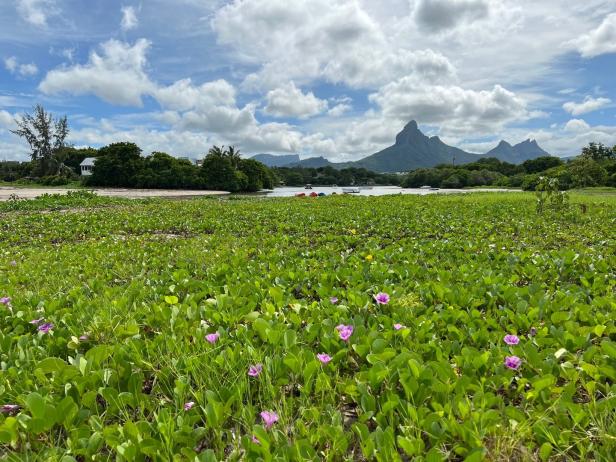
87 166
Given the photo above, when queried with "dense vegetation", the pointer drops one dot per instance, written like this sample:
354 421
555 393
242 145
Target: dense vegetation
339 328
299 176
596 166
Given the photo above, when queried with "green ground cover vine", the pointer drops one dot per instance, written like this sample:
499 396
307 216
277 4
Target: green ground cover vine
339 328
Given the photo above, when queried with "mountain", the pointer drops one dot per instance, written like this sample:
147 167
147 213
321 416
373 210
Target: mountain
414 150
277 161
517 154
313 162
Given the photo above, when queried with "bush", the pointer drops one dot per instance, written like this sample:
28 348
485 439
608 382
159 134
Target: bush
54 180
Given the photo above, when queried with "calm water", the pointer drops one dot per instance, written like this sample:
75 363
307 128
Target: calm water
376 191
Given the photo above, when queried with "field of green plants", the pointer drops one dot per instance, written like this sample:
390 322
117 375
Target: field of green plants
463 327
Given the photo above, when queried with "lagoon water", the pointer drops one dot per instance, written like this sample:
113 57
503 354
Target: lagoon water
375 191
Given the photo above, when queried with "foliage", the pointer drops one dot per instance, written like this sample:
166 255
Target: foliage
587 172
117 164
45 136
326 176
132 289
598 152
541 164
549 195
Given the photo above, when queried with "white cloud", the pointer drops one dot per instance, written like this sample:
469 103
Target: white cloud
35 11
598 41
437 15
339 109
589 104
23 70
116 75
304 40
461 109
183 95
129 18
290 101
577 125
6 119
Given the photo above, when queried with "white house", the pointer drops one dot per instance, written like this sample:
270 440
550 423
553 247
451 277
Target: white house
87 165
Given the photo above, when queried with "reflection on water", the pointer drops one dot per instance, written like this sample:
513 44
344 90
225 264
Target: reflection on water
375 191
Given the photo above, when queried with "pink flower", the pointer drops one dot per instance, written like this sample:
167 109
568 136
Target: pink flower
84 338
189 405
46 328
269 418
382 298
399 326
511 339
513 362
255 370
333 300
345 332
5 301
212 338
255 440
324 358
10 409
36 322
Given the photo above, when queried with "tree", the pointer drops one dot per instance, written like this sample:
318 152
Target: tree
219 174
586 172
46 136
258 176
598 152
541 164
117 164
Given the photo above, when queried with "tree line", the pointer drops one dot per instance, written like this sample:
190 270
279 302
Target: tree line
595 166
53 162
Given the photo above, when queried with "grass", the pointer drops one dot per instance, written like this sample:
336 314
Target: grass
145 281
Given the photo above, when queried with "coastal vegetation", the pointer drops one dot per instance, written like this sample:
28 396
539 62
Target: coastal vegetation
461 327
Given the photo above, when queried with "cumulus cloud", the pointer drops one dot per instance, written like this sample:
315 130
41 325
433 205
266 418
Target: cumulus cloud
304 40
23 70
6 119
589 104
183 95
601 40
116 75
290 101
438 15
339 109
577 125
129 18
35 11
467 110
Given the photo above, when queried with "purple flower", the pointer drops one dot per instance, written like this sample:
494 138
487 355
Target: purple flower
533 331
84 338
5 301
269 418
511 339
382 298
46 328
345 332
10 409
333 300
398 326
212 338
13 263
255 370
255 440
324 358
513 362
189 405
36 322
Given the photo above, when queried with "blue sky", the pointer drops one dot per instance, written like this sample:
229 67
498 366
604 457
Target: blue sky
337 78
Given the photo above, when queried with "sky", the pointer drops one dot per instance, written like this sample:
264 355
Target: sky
337 78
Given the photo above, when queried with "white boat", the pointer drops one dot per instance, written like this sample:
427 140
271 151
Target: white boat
426 187
350 190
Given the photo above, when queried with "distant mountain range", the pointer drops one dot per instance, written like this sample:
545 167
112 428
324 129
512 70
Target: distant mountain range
413 150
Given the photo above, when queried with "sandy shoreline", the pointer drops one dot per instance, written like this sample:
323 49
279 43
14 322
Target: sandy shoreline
31 193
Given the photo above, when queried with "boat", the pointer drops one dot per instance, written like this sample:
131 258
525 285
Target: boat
352 190
300 195
314 194
426 187
308 186
366 187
